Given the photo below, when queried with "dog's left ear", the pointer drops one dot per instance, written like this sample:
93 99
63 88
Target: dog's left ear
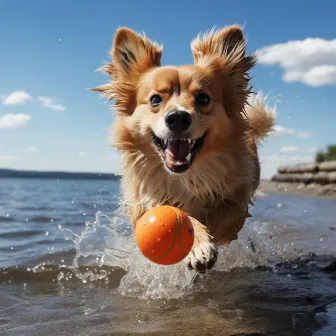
227 44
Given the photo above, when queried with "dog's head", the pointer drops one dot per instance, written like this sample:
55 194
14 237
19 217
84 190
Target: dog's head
183 115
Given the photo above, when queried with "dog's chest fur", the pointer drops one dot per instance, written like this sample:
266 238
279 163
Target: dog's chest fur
145 184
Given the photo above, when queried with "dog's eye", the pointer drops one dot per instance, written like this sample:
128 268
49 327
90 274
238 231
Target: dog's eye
203 99
155 100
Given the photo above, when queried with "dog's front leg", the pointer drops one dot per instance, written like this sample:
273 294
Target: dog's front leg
203 255
222 227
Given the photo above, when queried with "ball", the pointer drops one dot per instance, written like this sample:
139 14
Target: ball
164 235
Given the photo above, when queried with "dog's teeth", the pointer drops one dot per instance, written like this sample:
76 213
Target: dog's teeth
189 156
190 141
165 141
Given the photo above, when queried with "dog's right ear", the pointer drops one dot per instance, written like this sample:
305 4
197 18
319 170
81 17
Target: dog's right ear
133 55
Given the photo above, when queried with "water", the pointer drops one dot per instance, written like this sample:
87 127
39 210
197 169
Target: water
68 269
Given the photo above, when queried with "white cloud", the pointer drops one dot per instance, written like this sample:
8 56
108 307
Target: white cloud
50 103
311 61
287 158
82 153
317 76
286 149
17 98
303 135
281 130
32 149
312 149
7 158
14 120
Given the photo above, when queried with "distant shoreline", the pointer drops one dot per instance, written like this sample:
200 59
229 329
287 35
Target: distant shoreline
61 175
266 186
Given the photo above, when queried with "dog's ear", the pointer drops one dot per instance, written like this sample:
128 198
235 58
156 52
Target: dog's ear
133 54
228 44
224 53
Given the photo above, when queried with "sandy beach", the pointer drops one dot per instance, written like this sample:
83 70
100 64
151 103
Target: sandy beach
297 189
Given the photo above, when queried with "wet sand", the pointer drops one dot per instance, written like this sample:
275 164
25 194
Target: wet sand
297 189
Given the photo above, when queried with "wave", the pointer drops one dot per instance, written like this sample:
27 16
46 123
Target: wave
7 219
106 250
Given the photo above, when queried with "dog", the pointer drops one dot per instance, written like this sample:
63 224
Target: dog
189 134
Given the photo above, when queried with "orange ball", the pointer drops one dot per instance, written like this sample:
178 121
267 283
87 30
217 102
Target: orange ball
164 235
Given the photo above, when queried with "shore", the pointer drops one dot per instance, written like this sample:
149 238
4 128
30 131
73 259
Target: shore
297 189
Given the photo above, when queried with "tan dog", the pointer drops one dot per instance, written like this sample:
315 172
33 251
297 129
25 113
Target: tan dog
188 134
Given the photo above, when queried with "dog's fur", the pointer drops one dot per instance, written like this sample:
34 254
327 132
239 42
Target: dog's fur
221 181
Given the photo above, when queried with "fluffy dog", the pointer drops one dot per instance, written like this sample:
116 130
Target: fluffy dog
188 134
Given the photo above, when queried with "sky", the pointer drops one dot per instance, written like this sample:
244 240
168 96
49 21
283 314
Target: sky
50 51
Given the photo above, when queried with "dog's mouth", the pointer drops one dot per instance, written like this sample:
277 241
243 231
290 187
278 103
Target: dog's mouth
179 154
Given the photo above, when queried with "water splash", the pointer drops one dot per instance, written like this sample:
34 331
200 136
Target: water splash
104 238
109 242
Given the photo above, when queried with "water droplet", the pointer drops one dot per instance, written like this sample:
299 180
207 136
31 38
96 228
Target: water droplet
322 238
62 260
60 276
66 237
46 233
59 226
28 269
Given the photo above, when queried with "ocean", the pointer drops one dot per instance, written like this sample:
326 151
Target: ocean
69 266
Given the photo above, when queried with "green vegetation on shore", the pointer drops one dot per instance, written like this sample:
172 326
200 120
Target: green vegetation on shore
328 155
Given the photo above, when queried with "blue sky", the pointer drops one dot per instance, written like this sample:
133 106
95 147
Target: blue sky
51 49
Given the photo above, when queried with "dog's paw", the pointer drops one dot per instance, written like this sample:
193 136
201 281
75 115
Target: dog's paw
202 257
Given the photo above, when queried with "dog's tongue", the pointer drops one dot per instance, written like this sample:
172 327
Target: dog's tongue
179 148
177 152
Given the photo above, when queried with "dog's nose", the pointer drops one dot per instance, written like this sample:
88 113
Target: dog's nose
178 121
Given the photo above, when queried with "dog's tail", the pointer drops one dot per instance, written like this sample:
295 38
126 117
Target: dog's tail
260 117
